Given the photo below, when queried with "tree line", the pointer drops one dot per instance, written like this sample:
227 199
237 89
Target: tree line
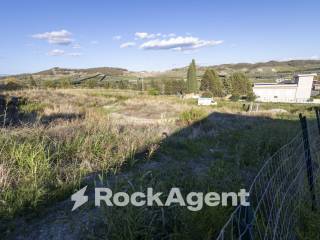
211 84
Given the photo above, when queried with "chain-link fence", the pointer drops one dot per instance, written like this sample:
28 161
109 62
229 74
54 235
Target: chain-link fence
284 184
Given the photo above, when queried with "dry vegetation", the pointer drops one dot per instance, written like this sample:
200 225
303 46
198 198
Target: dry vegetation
68 138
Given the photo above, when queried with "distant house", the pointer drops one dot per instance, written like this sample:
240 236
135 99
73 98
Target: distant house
316 85
296 91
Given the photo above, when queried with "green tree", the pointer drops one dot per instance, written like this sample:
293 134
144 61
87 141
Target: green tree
240 84
226 85
192 83
211 82
173 86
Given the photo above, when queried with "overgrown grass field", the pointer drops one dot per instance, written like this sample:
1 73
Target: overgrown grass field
130 141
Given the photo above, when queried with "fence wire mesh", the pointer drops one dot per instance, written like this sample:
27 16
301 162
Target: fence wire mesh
277 193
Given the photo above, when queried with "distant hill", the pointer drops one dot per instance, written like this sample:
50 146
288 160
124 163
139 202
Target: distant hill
257 72
264 71
65 71
274 66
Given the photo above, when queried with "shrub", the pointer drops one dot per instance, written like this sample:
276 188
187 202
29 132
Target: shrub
30 107
235 97
192 115
91 83
49 84
64 83
251 97
153 92
12 84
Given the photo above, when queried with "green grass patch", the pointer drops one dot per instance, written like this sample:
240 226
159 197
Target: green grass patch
190 116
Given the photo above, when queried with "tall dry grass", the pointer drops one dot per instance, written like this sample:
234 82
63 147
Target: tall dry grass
40 161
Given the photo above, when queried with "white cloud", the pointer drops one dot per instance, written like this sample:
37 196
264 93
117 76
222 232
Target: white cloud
178 44
168 35
56 52
127 44
144 35
118 37
94 42
75 54
314 57
62 37
76 46
59 52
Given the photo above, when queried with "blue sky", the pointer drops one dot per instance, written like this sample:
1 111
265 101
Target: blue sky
154 35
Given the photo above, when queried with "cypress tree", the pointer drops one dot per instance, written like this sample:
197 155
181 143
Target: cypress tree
205 81
192 83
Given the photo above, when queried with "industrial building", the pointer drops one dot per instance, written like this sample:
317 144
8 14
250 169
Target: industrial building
296 91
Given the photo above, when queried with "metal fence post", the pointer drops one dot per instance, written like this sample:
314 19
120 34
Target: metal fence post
307 154
249 222
245 223
318 118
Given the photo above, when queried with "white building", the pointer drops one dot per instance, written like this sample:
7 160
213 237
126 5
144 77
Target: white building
297 91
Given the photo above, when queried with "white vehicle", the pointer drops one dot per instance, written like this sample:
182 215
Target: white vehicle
203 101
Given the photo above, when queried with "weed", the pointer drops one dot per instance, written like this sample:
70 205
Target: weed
192 115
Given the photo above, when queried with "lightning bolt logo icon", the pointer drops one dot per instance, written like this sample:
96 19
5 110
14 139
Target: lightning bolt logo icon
79 198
